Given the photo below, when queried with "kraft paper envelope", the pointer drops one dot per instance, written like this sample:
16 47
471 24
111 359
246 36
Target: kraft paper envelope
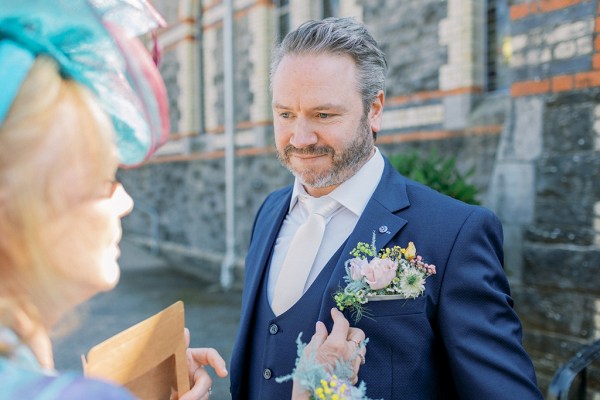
149 358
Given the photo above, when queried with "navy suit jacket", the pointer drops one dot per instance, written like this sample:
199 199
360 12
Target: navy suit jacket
460 340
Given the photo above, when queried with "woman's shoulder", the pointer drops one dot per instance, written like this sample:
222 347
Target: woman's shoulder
22 383
76 386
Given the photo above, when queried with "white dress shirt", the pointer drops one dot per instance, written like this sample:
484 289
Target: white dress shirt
353 195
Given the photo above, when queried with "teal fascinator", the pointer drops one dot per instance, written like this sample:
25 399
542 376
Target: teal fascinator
95 43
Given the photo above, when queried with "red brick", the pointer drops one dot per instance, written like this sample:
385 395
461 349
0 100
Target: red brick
587 79
562 82
597 43
519 11
253 151
533 7
552 5
596 61
528 88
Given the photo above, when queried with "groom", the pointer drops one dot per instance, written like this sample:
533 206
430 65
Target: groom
461 339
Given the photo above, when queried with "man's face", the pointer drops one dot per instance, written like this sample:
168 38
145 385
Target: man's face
321 131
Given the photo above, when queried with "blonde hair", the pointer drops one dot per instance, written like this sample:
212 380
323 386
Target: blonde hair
56 147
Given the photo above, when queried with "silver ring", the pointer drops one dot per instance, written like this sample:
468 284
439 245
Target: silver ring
357 342
210 390
362 359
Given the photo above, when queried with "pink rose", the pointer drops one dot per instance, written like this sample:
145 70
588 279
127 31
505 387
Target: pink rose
356 266
380 272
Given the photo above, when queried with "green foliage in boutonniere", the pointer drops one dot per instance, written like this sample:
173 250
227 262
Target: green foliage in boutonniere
392 273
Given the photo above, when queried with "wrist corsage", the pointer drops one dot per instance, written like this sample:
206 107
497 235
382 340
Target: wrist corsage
393 273
321 383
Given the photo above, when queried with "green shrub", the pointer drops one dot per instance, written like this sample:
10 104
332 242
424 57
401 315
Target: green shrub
437 172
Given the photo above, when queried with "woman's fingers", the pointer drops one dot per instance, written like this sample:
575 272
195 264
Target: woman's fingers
356 335
318 338
197 359
208 356
200 380
341 326
186 337
201 387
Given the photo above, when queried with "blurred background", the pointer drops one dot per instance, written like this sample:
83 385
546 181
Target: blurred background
496 99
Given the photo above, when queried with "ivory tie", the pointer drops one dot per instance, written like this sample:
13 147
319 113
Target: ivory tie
302 253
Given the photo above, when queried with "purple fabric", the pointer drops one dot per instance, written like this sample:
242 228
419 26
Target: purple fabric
21 383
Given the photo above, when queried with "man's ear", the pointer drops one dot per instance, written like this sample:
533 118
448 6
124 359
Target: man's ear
376 112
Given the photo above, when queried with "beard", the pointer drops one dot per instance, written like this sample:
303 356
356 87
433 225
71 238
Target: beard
345 162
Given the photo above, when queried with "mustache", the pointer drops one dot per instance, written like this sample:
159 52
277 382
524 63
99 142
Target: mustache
312 150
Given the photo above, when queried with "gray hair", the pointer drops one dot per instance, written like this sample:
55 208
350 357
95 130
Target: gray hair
339 36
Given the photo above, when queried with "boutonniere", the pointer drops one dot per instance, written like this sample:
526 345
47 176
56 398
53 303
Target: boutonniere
393 273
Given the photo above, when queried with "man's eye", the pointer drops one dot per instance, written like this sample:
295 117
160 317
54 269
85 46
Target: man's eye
323 115
285 115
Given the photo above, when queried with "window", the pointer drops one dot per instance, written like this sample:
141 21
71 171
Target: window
498 45
330 8
282 13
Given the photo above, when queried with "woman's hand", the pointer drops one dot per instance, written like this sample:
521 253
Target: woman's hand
200 381
344 342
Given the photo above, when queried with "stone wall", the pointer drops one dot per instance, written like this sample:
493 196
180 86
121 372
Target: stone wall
560 289
546 179
410 27
186 200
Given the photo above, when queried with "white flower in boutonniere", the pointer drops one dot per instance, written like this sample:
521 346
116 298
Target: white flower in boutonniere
393 273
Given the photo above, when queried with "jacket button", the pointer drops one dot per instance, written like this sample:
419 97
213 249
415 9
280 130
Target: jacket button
267 373
273 329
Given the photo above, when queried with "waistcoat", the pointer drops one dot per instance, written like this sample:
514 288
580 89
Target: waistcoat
273 339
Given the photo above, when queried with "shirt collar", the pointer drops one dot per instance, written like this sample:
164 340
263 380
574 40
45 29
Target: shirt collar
354 193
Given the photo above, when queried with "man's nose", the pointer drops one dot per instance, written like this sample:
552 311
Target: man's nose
304 134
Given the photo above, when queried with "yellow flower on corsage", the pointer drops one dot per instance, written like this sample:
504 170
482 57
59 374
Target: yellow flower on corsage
331 389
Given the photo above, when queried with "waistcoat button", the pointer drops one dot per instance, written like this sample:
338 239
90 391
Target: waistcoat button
267 373
273 329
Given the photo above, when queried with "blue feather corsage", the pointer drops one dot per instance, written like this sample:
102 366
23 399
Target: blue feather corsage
321 383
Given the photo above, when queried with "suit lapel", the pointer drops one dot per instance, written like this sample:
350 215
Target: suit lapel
379 218
267 229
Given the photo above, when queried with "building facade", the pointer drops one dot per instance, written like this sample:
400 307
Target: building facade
509 87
